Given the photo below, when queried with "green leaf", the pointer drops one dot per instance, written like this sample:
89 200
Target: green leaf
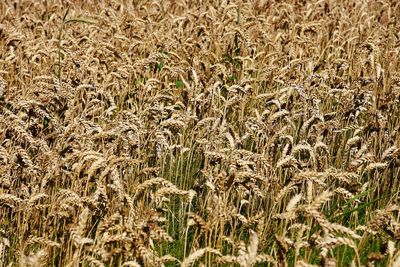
66 14
160 65
79 20
46 122
179 84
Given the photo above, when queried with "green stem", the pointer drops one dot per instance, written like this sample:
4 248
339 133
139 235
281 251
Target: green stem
59 45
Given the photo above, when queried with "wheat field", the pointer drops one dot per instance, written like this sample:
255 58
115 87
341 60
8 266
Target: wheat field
199 133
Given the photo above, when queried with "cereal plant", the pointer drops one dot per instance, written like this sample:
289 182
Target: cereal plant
199 133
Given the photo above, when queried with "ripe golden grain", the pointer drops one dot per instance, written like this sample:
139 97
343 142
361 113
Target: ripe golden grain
154 133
